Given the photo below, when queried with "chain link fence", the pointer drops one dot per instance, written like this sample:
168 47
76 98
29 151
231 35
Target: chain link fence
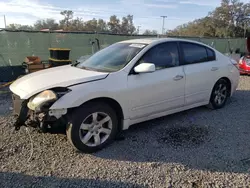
16 45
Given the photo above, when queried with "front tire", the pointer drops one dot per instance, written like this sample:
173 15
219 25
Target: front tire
93 126
220 94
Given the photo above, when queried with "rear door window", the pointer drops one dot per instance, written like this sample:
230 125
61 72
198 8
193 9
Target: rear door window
195 53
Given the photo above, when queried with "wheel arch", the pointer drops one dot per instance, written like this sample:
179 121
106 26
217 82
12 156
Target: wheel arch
113 104
228 82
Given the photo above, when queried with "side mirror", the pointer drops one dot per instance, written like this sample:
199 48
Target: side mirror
145 68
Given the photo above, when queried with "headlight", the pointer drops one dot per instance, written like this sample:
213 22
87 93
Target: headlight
41 98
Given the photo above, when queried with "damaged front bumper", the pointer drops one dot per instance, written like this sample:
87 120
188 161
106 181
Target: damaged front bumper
21 110
43 119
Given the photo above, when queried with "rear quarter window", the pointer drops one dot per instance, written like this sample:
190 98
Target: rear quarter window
210 54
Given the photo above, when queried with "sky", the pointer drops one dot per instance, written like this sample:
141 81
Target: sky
147 13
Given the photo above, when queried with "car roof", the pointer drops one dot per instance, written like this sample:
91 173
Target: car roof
158 40
142 40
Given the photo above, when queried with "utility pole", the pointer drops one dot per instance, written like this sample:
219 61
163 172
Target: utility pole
163 23
138 29
4 21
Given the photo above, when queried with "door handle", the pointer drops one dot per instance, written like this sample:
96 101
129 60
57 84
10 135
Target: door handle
178 77
214 68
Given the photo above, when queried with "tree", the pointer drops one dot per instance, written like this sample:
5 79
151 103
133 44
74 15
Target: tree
91 25
102 26
114 24
68 16
76 25
127 25
19 27
227 20
200 27
46 24
124 26
131 27
149 32
69 23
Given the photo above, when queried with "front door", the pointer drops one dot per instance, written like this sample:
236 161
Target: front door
161 90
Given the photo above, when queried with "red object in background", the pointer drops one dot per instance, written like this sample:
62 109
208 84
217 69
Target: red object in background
244 63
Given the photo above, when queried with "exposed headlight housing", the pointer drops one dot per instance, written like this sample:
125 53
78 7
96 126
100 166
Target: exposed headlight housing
44 97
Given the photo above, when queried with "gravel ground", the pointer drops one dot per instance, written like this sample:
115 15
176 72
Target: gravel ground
197 148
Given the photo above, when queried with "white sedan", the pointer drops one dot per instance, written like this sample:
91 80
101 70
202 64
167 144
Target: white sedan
126 83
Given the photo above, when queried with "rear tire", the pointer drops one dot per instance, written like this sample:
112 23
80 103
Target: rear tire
219 95
93 126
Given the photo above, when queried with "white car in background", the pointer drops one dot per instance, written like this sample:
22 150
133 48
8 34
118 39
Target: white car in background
126 83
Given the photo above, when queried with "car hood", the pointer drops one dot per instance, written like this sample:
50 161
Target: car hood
62 76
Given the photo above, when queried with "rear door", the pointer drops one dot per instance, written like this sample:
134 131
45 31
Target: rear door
201 70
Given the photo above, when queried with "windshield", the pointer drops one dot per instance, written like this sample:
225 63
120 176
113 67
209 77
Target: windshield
112 58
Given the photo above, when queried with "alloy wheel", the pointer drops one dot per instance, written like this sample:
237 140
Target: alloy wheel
220 94
95 129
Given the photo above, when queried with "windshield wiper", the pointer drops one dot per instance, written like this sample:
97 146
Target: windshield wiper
86 68
82 67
